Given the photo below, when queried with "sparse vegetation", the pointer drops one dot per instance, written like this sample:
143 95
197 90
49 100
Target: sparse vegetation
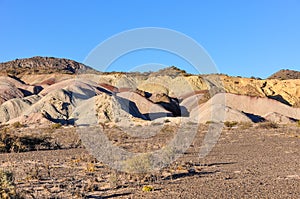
37 139
13 143
76 174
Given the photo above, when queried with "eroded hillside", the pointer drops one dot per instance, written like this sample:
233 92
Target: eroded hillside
45 90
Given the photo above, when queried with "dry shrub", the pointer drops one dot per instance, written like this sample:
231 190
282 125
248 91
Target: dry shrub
206 96
268 125
113 179
17 125
168 129
138 164
90 167
56 126
230 124
7 185
13 143
245 125
296 105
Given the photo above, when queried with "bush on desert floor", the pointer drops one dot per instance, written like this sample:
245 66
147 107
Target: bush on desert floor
13 143
7 185
138 164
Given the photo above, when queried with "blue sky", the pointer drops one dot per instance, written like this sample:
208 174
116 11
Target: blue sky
247 38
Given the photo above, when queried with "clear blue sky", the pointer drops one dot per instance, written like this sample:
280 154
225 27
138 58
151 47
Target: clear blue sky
243 37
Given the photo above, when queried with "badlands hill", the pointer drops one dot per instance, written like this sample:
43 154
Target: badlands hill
41 91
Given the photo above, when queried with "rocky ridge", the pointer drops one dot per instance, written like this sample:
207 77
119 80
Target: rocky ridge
285 74
43 65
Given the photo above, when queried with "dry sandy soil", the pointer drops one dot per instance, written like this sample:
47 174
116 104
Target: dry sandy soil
249 161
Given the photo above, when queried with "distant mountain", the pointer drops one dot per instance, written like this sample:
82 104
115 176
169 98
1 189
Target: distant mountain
285 74
44 65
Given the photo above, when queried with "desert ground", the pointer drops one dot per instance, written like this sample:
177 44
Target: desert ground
249 161
52 112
